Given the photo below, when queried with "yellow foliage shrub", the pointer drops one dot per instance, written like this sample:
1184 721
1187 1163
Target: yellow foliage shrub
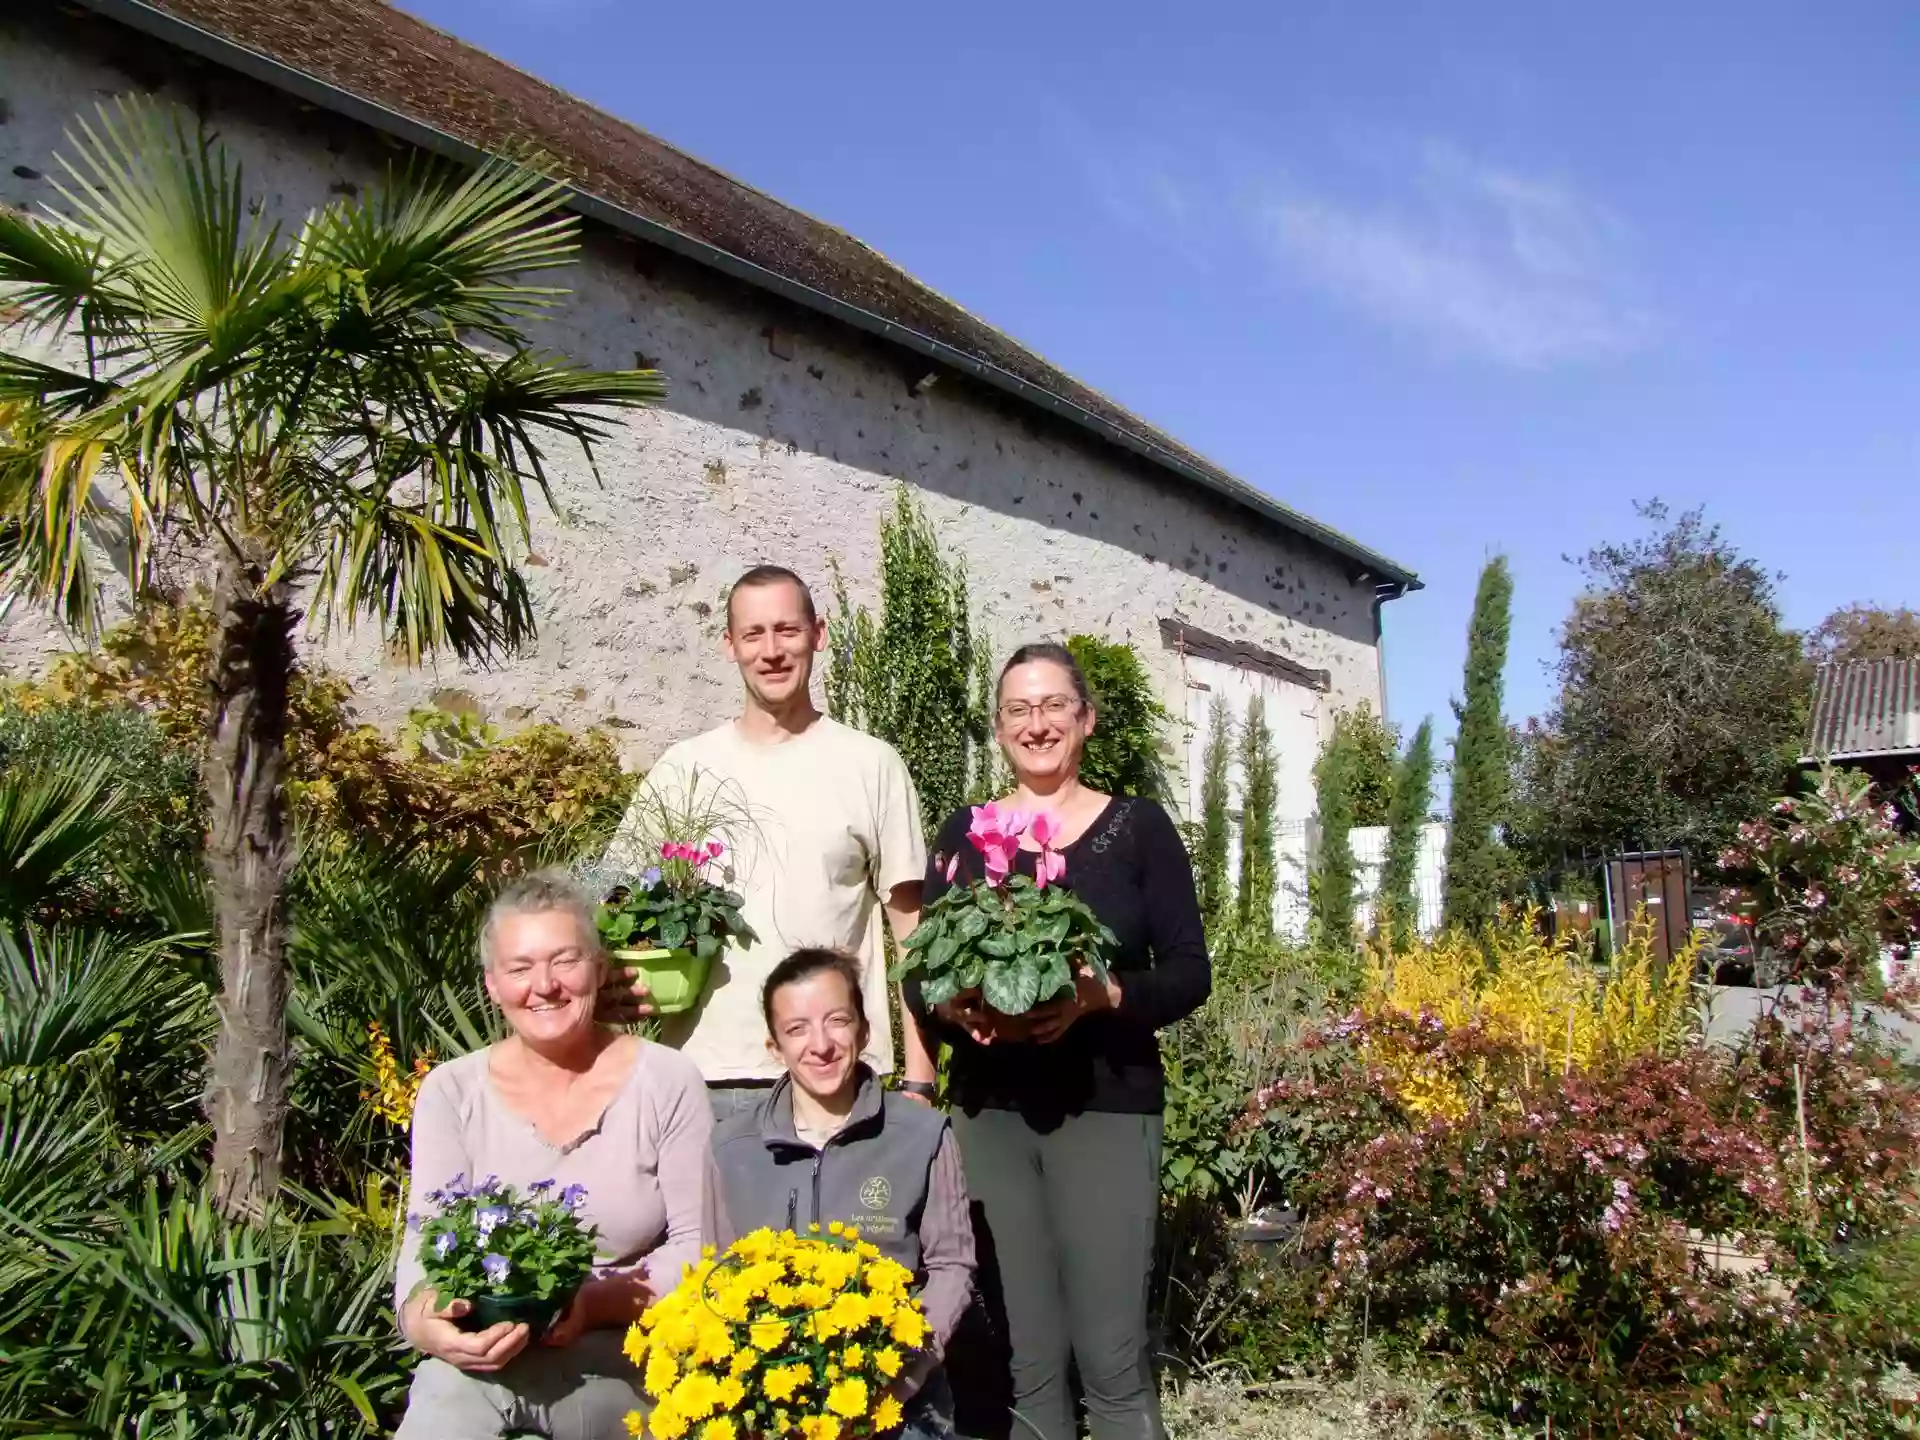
496 798
1541 1002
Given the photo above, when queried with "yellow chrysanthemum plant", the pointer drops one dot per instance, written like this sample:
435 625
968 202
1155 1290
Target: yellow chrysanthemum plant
784 1335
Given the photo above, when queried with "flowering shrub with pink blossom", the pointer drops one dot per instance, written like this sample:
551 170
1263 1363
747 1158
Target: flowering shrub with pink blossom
1014 940
1549 1249
1832 879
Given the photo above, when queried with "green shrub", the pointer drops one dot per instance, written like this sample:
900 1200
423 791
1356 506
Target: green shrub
168 1316
1123 756
156 816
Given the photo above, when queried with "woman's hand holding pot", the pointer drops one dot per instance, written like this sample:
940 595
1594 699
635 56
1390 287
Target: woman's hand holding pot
430 1329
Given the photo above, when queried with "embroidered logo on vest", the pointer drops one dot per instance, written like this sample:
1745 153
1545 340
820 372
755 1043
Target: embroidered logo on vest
876 1192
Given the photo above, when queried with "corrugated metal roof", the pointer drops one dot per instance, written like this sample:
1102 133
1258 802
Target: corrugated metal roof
1865 708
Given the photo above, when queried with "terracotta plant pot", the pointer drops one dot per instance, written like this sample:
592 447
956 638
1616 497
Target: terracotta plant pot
675 979
535 1313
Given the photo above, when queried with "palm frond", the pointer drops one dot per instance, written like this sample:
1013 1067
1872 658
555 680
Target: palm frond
58 278
432 586
170 210
434 242
175 1315
55 391
53 818
72 997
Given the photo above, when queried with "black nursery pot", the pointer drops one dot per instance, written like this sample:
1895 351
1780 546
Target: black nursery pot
533 1311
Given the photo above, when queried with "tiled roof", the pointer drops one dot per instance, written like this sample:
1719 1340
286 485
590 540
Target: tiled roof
1865 708
389 69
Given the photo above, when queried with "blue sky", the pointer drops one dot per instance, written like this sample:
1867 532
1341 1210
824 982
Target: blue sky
1458 278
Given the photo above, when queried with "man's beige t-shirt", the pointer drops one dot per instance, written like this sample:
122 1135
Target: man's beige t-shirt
818 828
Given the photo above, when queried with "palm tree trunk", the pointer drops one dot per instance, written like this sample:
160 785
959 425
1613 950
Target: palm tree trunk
249 856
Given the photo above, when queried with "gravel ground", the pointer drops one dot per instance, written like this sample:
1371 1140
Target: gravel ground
1385 1407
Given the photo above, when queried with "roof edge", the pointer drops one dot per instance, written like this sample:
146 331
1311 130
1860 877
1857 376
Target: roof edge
1390 580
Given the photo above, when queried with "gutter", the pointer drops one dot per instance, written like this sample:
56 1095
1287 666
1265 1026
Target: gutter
1390 581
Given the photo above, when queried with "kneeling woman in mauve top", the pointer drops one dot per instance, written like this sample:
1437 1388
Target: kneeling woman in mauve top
566 1100
1058 1114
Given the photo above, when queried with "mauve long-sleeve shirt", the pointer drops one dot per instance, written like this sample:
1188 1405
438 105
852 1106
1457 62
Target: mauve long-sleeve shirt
646 1164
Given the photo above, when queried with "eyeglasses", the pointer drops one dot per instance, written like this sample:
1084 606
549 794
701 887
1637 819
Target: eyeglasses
1054 707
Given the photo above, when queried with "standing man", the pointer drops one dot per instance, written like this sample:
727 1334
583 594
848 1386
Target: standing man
823 831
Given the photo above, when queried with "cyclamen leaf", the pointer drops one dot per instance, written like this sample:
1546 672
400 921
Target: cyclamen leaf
1010 989
972 925
1000 947
972 971
943 952
939 989
1055 976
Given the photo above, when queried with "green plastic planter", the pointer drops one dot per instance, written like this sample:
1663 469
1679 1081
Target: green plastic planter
675 979
533 1311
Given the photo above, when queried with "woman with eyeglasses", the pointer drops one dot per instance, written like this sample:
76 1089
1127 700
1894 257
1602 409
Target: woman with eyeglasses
1057 1113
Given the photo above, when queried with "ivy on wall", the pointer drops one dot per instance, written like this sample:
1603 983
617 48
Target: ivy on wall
910 674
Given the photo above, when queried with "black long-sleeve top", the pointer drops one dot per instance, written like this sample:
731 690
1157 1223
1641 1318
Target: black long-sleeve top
1132 870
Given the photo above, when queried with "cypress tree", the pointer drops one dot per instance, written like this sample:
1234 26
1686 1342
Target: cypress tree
1397 910
1482 760
1333 867
1260 768
1214 821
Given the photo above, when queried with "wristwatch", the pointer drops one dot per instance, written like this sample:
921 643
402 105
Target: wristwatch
923 1089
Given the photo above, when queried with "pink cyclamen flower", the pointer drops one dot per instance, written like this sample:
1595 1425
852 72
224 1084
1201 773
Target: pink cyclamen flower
715 850
1044 830
996 833
1048 867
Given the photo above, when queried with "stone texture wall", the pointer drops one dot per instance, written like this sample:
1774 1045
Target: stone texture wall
781 440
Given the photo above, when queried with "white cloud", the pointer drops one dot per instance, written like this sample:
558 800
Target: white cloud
1427 240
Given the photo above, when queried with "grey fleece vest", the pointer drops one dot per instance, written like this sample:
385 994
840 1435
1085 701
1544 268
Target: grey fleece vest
872 1174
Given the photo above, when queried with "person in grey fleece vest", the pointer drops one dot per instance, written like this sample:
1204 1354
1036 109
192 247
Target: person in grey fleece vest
829 1143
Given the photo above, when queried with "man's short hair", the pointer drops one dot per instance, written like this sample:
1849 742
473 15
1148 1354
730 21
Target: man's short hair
763 575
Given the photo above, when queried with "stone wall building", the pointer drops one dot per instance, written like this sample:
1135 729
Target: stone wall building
807 376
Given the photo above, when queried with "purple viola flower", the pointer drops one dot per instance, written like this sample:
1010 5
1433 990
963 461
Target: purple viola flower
497 1268
415 1221
650 877
574 1196
490 1218
540 1187
445 1243
488 1186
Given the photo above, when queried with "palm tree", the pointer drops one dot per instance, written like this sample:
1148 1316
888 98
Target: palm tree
345 419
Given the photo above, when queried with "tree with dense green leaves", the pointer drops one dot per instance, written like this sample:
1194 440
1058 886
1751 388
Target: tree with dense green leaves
1477 867
1372 748
1260 775
1216 821
1682 700
347 418
1334 775
1123 753
909 675
1397 908
1865 632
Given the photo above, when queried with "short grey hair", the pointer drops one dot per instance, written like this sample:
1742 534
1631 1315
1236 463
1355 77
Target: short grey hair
544 892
